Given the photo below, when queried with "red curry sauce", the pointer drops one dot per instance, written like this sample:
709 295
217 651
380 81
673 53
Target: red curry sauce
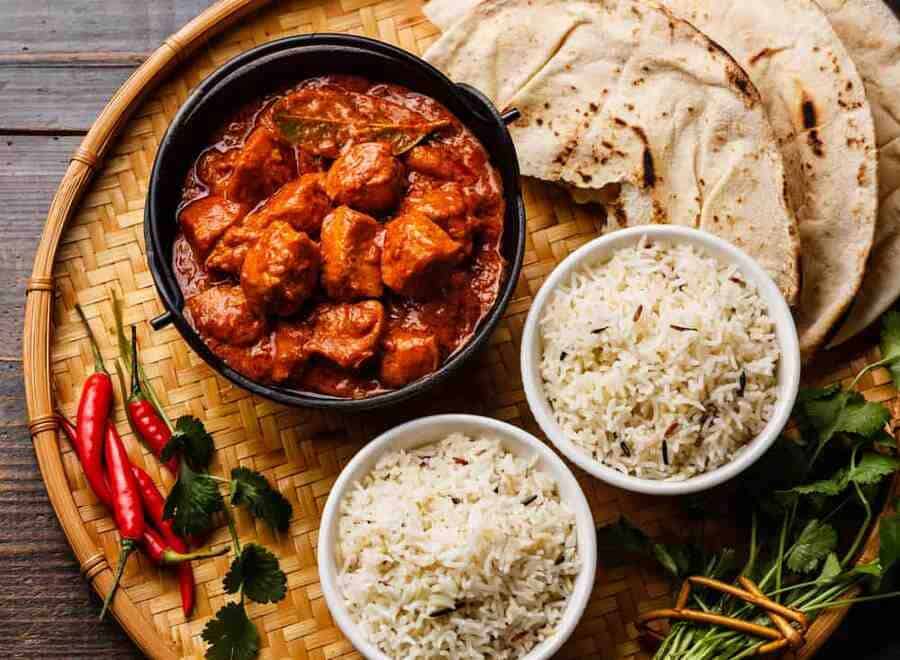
340 237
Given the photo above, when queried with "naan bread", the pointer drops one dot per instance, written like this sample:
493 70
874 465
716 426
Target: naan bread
817 106
871 34
636 108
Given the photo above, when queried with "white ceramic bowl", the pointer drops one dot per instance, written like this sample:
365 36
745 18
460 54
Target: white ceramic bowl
601 249
431 429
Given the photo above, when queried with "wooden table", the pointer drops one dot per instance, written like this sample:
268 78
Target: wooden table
60 61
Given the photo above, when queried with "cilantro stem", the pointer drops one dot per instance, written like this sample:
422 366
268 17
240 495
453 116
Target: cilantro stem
851 553
232 529
751 559
850 601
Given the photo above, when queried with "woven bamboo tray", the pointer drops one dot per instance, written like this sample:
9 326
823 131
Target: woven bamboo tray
93 244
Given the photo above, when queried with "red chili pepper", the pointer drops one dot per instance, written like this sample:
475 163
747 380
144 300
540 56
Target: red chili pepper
147 421
93 415
155 505
161 553
126 504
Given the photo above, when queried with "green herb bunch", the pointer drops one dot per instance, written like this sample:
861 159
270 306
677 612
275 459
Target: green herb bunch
197 496
255 573
810 503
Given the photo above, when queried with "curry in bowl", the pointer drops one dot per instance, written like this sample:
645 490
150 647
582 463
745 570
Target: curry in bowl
341 237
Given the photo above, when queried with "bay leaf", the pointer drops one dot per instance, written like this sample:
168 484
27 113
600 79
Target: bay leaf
326 136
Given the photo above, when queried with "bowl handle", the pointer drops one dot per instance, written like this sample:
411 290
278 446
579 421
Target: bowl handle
478 103
161 321
510 116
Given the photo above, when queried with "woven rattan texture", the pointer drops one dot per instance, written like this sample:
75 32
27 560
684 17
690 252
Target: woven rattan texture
303 451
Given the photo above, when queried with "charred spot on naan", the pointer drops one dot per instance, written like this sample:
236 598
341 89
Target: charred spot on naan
765 53
649 173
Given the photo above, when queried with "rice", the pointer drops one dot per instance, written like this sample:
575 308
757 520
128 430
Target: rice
660 362
458 549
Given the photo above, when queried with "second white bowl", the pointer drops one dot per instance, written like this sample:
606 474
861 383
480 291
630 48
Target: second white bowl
600 250
431 429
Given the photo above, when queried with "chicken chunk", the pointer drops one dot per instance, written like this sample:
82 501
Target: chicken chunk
348 334
280 271
205 220
408 356
418 256
215 168
301 203
436 162
222 312
366 177
261 167
446 206
351 256
291 353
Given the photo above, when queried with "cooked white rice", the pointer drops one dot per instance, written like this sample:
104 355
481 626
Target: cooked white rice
661 362
458 549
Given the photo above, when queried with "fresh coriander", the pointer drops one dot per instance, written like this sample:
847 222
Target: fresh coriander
231 635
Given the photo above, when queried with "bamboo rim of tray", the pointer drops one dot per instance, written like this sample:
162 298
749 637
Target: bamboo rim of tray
39 291
84 163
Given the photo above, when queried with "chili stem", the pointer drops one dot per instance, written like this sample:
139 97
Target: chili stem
128 546
95 347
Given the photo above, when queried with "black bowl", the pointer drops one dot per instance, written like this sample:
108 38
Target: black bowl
272 66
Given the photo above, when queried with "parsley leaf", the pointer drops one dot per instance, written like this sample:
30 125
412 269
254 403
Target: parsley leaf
231 635
890 344
192 441
257 573
266 503
195 497
871 469
815 542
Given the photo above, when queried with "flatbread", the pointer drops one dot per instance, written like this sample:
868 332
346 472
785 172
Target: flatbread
817 104
871 34
659 123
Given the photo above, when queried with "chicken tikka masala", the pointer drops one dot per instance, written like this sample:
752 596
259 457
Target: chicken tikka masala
340 237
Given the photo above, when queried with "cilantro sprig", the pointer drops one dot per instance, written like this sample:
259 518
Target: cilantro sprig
812 498
255 573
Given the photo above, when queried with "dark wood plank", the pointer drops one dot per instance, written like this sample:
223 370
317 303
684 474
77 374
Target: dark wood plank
41 98
91 25
30 170
60 62
47 609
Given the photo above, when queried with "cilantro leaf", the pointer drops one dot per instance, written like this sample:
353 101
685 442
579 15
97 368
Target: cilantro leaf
266 503
192 441
231 635
830 569
890 344
621 537
871 469
863 417
824 413
192 502
813 545
889 534
257 573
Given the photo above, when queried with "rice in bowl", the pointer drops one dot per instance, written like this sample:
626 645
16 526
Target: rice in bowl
660 362
458 549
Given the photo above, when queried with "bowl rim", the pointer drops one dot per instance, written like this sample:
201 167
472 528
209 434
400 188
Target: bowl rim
163 276
788 370
431 429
